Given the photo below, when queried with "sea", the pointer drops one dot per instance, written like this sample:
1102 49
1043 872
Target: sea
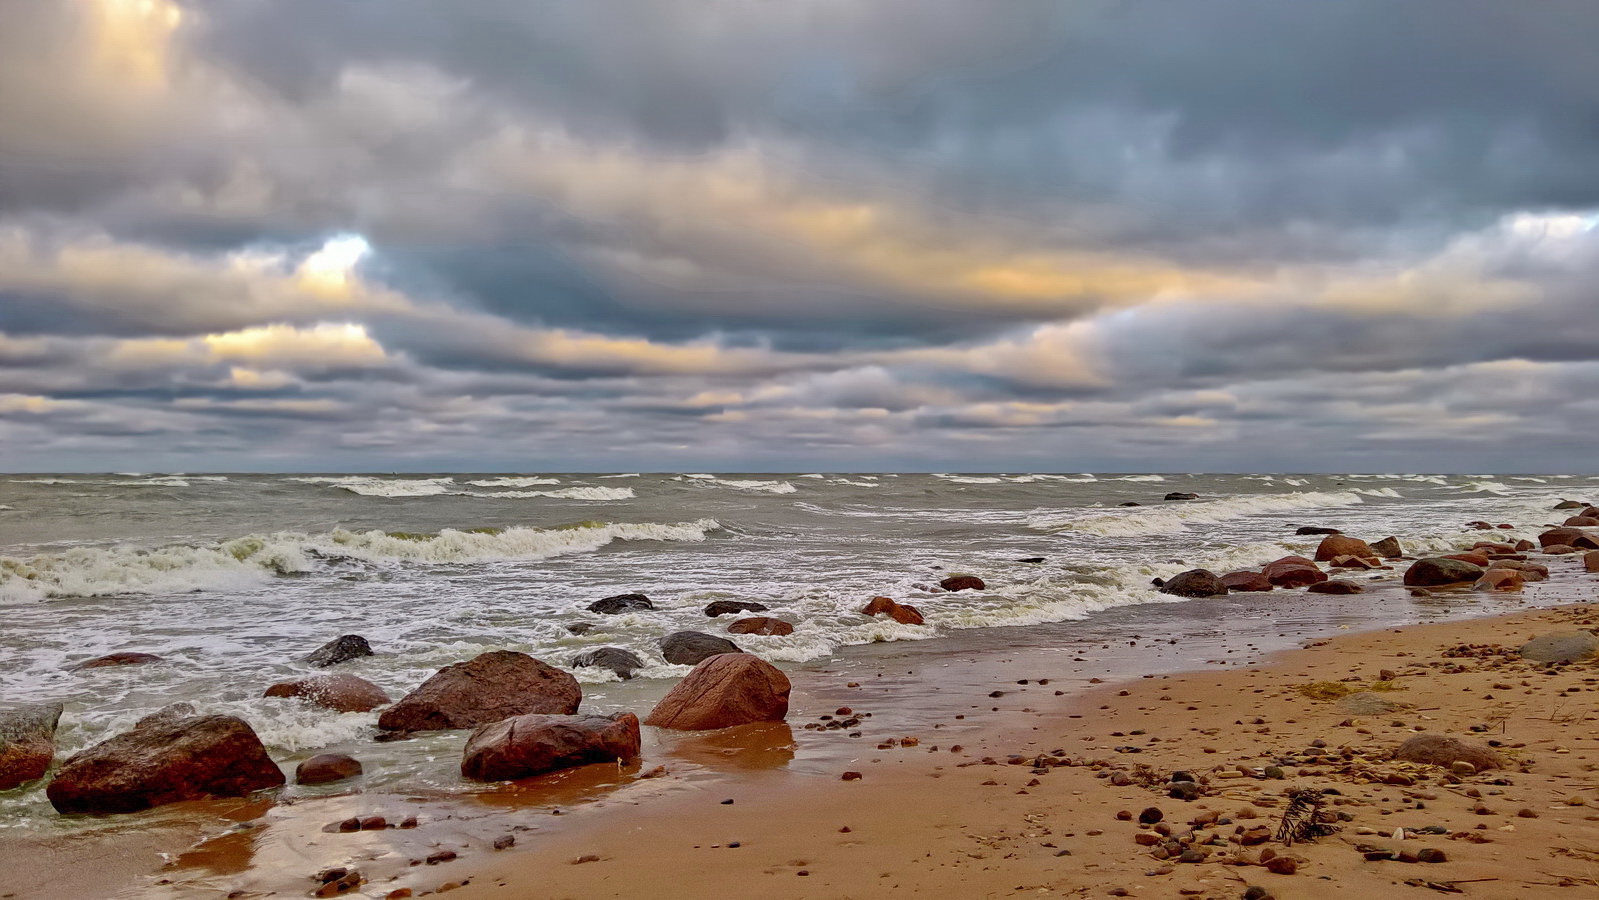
233 578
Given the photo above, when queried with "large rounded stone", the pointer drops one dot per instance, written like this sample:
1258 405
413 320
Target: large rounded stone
1336 586
341 693
1435 571
1246 582
1335 545
761 625
1564 647
689 648
1437 750
166 762
725 690
903 613
325 768
339 650
1292 572
1194 583
1569 537
524 746
487 688
620 603
733 607
27 742
963 583
623 662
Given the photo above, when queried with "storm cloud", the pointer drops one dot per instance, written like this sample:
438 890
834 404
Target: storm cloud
1104 234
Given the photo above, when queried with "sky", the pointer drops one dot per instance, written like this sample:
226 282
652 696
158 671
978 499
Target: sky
870 235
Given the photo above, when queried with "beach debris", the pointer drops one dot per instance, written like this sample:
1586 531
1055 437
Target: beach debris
524 746
484 689
1304 819
963 582
187 759
620 603
733 607
622 662
689 648
724 690
27 742
325 768
339 650
341 693
1194 583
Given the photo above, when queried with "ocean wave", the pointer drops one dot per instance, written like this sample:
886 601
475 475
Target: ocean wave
621 475
571 493
1176 519
1379 492
848 483
255 559
510 481
1139 478
765 487
1483 487
970 479
370 486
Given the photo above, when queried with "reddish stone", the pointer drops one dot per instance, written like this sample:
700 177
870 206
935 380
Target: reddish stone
123 658
343 693
524 746
1581 522
1246 582
1335 545
1336 586
1476 559
325 768
487 688
165 762
963 583
1499 580
725 690
1293 571
27 742
903 613
761 625
1570 537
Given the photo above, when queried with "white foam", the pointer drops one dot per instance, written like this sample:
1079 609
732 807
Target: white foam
1484 487
812 475
1176 519
368 486
968 479
571 493
623 475
1379 492
514 482
766 487
1139 478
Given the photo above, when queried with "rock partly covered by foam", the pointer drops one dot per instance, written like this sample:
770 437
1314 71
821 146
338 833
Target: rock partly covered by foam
1564 647
1292 572
733 607
1388 548
903 613
1246 582
341 693
165 762
121 658
1436 571
688 648
27 742
622 662
620 603
1438 750
524 746
341 649
963 583
1194 583
325 768
1568 537
761 625
725 690
1335 545
494 686
1182 495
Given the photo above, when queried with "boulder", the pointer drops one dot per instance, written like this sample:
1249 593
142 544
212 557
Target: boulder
1336 586
1499 580
1581 522
1476 558
1315 529
1523 545
963 583
341 693
183 759
27 742
1570 504
1292 572
903 613
1194 583
168 714
1563 647
1570 537
1353 562
1182 495
1590 512
1590 561
1246 582
122 658
1530 571
733 607
1560 549
1439 571
1437 750
325 768
524 746
690 648
339 650
1388 548
490 687
761 625
623 662
725 690
1335 545
620 603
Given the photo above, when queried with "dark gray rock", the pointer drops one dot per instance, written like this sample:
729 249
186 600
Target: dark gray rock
1315 529
1194 583
734 607
1437 571
690 648
620 603
623 662
339 650
1182 495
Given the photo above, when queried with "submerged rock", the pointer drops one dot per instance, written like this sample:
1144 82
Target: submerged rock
903 613
1182 495
524 746
184 759
1564 647
1246 582
1389 548
325 768
623 662
1315 529
761 625
733 607
963 583
341 693
620 603
1194 583
339 650
27 742
1441 571
122 658
168 714
688 648
487 688
724 690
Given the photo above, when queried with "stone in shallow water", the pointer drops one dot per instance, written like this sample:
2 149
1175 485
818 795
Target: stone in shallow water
27 742
341 649
487 688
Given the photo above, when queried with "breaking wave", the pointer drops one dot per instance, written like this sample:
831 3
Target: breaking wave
571 493
1176 519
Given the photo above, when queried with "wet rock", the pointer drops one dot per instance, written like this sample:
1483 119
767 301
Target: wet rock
1181 495
623 662
689 648
963 583
733 607
1570 504
1590 561
325 768
580 628
1475 558
342 693
1336 586
1194 583
183 709
1438 750
122 658
1315 529
1388 548
1581 522
487 688
1564 647
1293 571
185 759
1500 580
1435 571
620 603
1353 562
1569 537
27 742
903 613
761 625
524 746
1246 582
339 650
1335 545
725 690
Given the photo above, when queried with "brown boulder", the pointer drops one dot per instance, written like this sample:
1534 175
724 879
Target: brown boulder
1581 522
1194 583
730 689
487 688
325 768
761 625
1388 548
1523 545
27 742
903 613
733 607
341 693
1336 586
1440 571
524 746
1437 750
1571 537
1335 545
1500 580
1246 582
963 583
1293 571
1476 559
1590 561
1353 562
165 762
122 658
1560 549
